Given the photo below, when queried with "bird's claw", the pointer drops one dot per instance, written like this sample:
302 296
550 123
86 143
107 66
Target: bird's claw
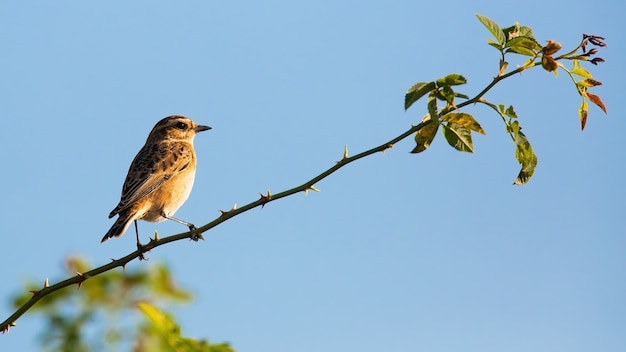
193 235
142 249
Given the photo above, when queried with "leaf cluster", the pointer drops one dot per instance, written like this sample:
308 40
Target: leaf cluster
457 127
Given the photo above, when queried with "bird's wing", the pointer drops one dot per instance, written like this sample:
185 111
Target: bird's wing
153 165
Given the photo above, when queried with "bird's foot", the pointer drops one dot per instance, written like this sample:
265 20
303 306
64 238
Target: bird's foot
142 249
193 234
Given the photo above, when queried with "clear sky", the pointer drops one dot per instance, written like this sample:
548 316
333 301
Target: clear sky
429 252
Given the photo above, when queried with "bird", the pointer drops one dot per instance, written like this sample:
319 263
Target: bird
160 178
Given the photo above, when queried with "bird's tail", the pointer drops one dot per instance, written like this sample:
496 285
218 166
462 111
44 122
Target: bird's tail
119 227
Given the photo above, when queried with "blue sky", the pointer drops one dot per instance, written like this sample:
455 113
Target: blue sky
429 252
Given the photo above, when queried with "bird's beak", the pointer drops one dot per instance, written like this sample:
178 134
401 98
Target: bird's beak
201 128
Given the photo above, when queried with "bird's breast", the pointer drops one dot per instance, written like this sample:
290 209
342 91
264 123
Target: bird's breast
171 194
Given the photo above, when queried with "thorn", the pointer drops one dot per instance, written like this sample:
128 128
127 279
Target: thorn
124 266
231 209
156 235
6 328
312 188
83 278
46 284
345 154
265 198
34 292
388 146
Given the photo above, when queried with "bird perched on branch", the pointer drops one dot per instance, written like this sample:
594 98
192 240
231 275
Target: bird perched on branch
160 177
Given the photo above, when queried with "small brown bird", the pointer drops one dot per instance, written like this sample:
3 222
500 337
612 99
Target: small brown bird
160 177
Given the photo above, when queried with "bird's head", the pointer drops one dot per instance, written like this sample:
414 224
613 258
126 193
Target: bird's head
176 128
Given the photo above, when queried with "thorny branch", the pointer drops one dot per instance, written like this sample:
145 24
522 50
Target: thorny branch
80 278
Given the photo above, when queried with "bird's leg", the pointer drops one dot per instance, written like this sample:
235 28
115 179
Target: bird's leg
192 229
140 247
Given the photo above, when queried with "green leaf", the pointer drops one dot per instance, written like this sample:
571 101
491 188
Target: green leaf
525 31
170 335
526 172
579 71
453 79
525 156
510 112
511 32
514 128
516 31
459 137
463 119
432 107
523 45
425 135
417 91
448 94
158 318
494 44
460 95
168 330
493 28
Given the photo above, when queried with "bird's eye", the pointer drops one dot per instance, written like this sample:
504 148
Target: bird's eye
181 125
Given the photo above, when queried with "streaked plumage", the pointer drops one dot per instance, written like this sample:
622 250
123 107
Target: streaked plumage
160 177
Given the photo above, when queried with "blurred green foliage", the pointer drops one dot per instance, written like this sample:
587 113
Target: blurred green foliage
115 311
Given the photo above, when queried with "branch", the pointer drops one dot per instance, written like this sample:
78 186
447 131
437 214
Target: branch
226 215
523 147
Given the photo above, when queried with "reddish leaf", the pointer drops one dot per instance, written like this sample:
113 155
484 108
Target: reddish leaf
583 120
593 82
548 63
596 100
